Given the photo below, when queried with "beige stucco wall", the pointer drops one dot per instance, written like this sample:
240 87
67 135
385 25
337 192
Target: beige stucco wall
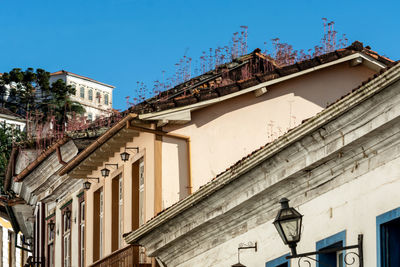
72 194
223 133
145 141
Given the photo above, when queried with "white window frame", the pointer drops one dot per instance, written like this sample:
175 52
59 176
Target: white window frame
82 229
67 240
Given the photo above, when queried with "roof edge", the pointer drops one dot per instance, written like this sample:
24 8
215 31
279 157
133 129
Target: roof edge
201 104
96 144
80 76
34 164
348 102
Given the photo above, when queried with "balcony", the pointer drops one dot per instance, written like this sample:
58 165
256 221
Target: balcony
126 257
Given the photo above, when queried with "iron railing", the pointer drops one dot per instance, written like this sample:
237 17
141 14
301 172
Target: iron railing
126 257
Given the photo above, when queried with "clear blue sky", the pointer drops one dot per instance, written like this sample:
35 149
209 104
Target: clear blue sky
120 42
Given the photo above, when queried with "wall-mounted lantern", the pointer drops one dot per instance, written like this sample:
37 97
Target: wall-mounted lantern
106 172
51 225
87 184
68 213
125 155
288 223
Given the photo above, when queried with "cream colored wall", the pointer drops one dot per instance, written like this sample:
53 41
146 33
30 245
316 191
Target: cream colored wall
174 171
223 133
73 195
145 142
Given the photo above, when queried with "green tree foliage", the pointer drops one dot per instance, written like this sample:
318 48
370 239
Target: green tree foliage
30 92
8 136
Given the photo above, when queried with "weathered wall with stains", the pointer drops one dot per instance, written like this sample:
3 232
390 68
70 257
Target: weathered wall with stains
341 177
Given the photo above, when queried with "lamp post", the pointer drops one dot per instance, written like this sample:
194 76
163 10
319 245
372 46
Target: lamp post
288 223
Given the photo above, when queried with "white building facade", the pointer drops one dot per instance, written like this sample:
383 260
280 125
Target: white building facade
340 171
94 96
12 120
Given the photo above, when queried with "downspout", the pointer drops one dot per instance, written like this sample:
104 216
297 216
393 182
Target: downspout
59 156
172 135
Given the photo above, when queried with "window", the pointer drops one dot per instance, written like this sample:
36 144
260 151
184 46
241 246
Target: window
334 258
141 191
81 232
90 95
50 242
97 225
388 238
90 117
106 99
279 262
98 97
117 213
66 236
82 91
120 209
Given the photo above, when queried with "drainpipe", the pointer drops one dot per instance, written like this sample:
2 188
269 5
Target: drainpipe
59 156
16 228
172 135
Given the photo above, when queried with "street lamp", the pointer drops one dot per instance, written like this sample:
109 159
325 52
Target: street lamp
288 223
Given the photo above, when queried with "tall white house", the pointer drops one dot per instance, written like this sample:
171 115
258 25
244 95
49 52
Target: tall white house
94 96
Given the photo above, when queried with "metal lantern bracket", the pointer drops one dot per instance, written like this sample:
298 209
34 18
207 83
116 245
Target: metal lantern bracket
136 147
111 164
242 246
348 257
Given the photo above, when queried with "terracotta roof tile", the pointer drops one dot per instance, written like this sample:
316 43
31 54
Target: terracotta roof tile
60 72
8 112
241 73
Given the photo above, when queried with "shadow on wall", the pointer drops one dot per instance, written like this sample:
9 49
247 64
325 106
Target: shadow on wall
319 89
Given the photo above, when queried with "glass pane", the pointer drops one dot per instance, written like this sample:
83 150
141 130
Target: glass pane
290 228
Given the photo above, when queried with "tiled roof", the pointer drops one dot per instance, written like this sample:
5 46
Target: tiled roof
241 73
8 112
60 72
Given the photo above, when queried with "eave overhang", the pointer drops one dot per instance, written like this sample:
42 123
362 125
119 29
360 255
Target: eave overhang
100 150
183 114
